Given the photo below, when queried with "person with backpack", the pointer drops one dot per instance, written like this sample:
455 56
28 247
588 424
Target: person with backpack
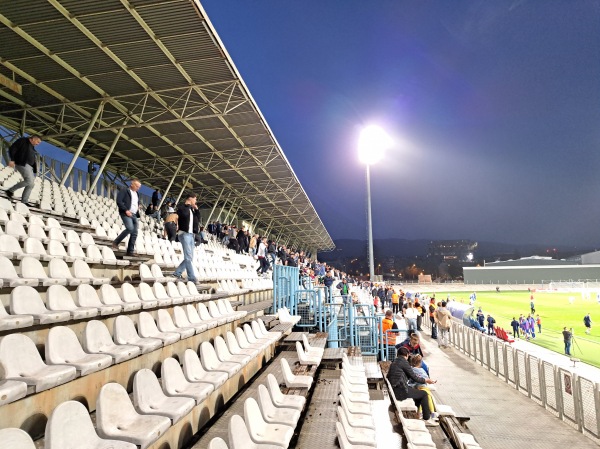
490 324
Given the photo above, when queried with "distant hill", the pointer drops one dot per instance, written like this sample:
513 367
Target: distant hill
348 248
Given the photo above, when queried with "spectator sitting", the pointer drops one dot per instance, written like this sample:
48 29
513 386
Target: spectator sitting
416 363
413 345
475 324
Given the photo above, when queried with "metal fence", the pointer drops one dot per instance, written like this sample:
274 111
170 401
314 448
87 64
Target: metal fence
572 398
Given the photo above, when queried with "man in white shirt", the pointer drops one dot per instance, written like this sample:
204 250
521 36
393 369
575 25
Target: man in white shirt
188 222
128 204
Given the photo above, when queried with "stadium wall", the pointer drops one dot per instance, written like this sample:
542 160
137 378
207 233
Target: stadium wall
530 274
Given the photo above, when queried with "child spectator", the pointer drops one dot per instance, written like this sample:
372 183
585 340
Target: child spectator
416 363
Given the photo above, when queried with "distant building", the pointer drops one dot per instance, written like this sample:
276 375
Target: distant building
458 250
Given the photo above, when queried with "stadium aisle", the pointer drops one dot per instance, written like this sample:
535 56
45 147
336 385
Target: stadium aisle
501 417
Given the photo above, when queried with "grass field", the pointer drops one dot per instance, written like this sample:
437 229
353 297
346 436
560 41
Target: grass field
556 312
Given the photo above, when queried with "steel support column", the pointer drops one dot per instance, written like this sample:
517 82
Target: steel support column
106 158
166 192
183 189
82 143
215 206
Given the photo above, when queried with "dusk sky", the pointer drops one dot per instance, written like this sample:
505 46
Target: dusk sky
494 108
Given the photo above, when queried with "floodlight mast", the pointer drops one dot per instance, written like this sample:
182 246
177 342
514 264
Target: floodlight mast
371 145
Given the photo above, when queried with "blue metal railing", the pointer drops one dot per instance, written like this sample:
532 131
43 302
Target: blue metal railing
285 286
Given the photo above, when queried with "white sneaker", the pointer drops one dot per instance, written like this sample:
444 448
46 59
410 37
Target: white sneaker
431 423
434 416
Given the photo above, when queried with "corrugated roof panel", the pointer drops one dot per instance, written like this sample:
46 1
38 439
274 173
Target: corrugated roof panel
13 47
81 7
118 83
140 54
58 35
196 46
171 18
74 89
258 140
43 68
114 28
20 11
162 77
90 61
194 148
237 117
208 71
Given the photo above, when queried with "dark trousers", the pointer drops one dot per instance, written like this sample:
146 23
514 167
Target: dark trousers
433 327
420 398
395 308
419 322
264 265
171 229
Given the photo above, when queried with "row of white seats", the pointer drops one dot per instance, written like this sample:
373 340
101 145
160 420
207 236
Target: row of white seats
66 358
28 308
257 283
308 355
156 406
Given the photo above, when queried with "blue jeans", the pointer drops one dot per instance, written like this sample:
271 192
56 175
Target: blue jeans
28 181
567 347
131 230
187 241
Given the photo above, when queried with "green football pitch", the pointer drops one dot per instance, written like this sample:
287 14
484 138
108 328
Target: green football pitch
556 309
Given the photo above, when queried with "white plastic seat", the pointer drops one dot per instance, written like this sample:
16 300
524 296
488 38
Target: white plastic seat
217 443
265 331
9 275
63 348
13 438
13 321
146 294
31 268
87 239
343 439
356 380
252 338
125 334
194 291
59 299
16 229
228 311
182 321
211 362
70 427
130 295
207 317
25 300
263 432
235 348
87 296
10 247
10 391
37 232
97 340
149 398
109 296
243 341
358 408
72 237
56 234
117 418
304 358
34 248
157 273
214 311
56 250
81 270
194 317
93 254
311 350
109 258
22 362
174 291
239 436
273 336
285 317
291 380
161 294
183 291
358 435
357 396
58 269
224 355
358 420
283 400
165 323
273 414
75 251
195 372
175 383
147 329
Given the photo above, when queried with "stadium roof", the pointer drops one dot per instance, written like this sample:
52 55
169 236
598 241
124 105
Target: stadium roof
166 88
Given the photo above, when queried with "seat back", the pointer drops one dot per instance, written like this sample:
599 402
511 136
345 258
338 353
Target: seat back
160 292
232 343
239 436
192 367
13 438
58 269
213 310
74 249
113 408
129 293
145 273
56 234
288 376
253 418
208 356
192 314
93 252
147 325
172 290
18 355
87 239
342 437
146 292
72 236
203 312
10 244
59 298
273 387
25 300
221 349
109 295
192 288
180 317
36 232
81 270
107 253
165 322
62 345
125 330
221 307
34 246
146 390
172 376
249 334
256 329
156 271
7 269
96 336
218 443
15 228
86 296
241 338
183 290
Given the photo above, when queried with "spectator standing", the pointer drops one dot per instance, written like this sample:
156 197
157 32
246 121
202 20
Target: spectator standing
188 219
432 319
515 327
155 198
443 319
128 204
567 337
344 289
490 324
252 245
328 282
388 324
539 324
587 321
398 375
272 252
262 256
395 297
411 317
480 317
170 227
22 157
532 305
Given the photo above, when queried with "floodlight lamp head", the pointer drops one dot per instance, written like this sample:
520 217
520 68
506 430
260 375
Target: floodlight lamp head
373 141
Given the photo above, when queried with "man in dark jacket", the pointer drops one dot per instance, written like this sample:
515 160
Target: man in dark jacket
188 222
398 375
22 158
128 204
